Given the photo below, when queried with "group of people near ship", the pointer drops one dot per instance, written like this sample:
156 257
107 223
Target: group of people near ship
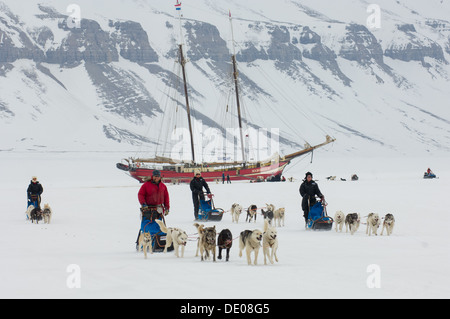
155 203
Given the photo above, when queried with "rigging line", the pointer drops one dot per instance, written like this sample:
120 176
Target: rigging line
150 126
281 92
291 166
167 92
290 102
269 104
170 116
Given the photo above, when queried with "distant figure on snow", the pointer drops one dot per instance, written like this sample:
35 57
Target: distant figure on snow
429 174
308 191
196 185
34 192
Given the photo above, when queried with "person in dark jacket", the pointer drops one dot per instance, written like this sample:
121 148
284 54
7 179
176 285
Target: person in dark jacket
34 192
308 190
197 184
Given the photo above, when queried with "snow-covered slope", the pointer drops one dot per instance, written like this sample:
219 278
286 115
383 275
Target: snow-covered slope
308 68
92 242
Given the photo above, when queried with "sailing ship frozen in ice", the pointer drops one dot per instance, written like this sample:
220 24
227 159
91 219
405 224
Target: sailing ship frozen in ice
181 170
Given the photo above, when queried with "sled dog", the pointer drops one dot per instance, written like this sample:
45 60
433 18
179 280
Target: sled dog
339 219
373 222
267 215
224 241
388 223
206 241
36 215
278 215
236 211
28 212
47 214
251 241
251 213
352 221
174 235
145 243
270 243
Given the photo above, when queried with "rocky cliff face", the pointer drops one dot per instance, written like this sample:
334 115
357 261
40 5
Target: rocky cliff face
323 60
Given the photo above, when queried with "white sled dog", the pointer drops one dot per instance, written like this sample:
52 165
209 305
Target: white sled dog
278 215
373 222
145 243
28 212
388 223
270 243
251 241
174 235
47 214
339 220
236 211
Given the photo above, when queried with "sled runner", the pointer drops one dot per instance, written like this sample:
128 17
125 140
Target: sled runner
208 212
318 218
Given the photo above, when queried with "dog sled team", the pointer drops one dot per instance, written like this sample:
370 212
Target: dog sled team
34 211
353 220
154 235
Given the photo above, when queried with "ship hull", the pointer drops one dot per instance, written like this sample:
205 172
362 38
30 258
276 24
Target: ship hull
235 173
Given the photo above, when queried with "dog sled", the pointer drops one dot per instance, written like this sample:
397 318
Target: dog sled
148 224
318 218
208 212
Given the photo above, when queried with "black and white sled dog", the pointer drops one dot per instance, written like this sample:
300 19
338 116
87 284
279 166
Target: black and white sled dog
251 213
36 214
206 241
352 222
373 222
388 223
224 241
47 214
174 235
268 214
250 240
236 211
145 243
270 243
339 220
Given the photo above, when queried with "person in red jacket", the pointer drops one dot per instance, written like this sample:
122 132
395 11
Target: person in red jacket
154 194
154 199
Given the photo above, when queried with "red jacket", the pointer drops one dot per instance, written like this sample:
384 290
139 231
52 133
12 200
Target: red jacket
154 194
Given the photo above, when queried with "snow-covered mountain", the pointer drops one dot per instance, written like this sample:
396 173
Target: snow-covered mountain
375 82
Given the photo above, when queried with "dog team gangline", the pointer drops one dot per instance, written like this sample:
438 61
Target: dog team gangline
175 171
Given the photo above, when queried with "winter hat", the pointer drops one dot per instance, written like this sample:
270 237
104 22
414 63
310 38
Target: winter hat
196 171
34 178
156 173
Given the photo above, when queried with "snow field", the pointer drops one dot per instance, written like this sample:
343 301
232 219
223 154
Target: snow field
96 220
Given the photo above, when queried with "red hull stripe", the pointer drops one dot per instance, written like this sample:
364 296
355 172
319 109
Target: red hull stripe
242 174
